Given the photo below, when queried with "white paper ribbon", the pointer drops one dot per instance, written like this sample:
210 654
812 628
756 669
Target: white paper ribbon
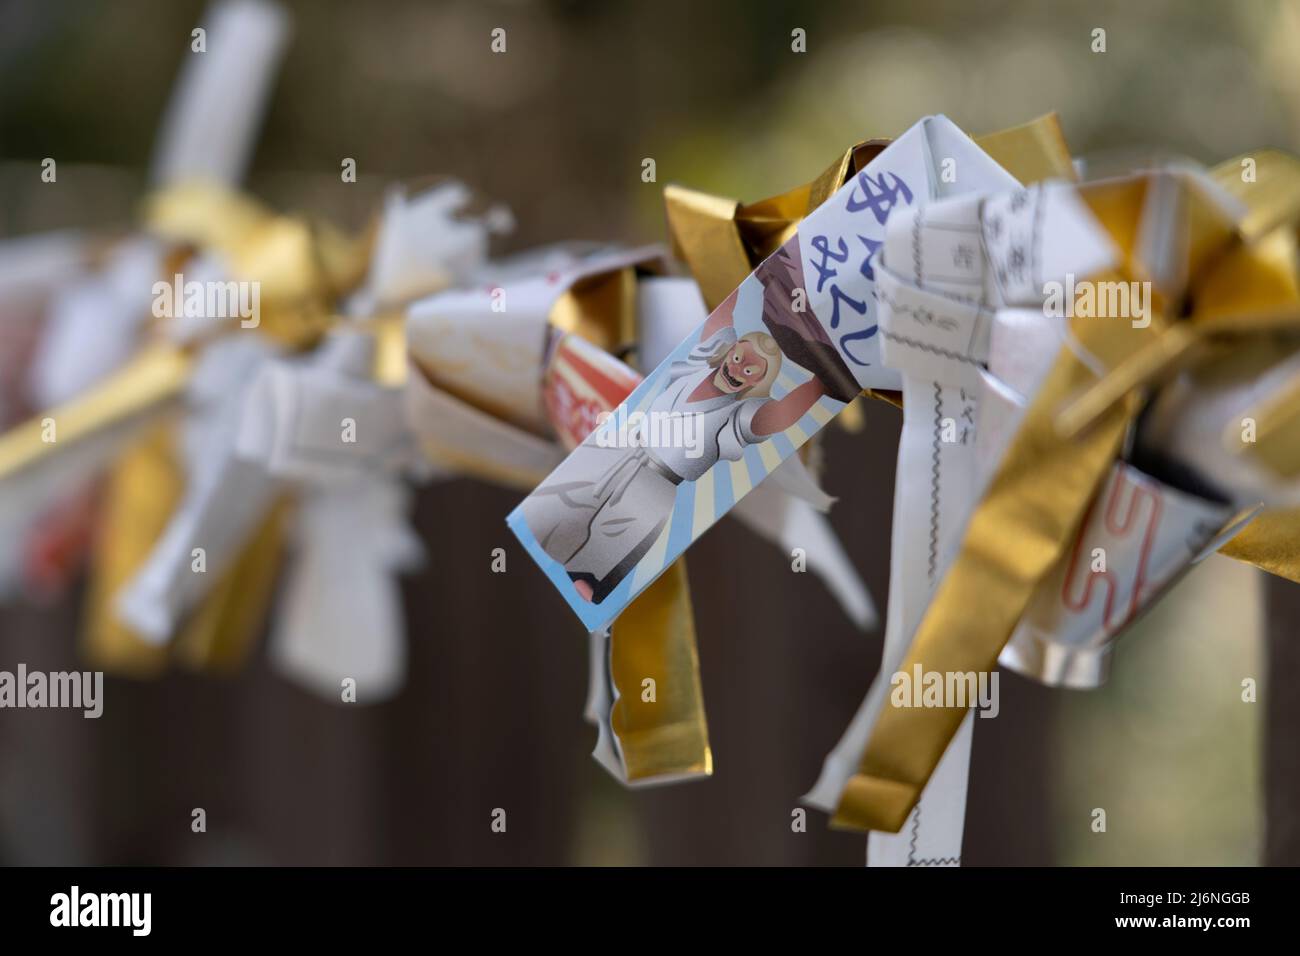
943 272
224 498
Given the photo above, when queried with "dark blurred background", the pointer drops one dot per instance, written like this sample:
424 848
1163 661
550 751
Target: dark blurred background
557 128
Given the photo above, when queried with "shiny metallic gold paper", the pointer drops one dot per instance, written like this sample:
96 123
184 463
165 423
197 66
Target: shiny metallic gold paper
141 387
144 488
1238 282
660 726
1021 527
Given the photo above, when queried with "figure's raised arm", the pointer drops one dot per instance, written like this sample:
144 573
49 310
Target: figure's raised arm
779 414
719 317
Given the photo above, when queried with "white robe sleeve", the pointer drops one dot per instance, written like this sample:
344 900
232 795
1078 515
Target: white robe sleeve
739 431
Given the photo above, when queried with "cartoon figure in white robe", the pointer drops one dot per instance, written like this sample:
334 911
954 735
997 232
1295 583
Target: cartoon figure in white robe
604 508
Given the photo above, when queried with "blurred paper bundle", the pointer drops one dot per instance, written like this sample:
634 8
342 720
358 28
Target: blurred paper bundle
222 413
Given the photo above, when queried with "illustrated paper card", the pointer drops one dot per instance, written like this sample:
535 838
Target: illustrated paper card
779 358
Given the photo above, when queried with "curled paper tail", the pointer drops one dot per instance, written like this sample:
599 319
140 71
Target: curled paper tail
645 690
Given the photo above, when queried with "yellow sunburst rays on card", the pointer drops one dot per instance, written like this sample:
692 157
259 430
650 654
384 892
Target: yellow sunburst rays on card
1240 291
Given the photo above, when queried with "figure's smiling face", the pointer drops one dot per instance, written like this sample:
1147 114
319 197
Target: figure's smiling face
743 368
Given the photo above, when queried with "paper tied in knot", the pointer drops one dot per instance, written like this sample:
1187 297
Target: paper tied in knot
603 542
234 373
721 240
288 431
1076 519
617 513
298 268
523 362
478 353
96 292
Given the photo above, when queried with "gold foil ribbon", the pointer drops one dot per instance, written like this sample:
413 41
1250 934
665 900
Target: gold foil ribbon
217 635
1072 433
301 268
600 309
144 488
1027 517
1032 152
154 377
654 638
1270 543
1261 289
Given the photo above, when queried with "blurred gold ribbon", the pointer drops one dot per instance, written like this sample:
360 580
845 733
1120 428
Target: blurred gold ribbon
1272 200
1072 433
144 487
302 268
